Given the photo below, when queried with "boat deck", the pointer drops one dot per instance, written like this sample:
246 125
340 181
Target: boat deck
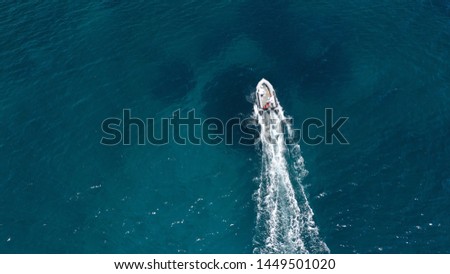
264 98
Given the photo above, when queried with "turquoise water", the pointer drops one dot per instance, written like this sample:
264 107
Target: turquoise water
64 68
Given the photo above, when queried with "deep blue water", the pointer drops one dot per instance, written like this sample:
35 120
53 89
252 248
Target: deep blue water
64 68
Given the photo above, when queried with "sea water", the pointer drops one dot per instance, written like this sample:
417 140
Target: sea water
65 67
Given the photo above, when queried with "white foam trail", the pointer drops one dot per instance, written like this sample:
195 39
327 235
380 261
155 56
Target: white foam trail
284 221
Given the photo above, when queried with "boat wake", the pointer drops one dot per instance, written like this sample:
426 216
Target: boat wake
284 221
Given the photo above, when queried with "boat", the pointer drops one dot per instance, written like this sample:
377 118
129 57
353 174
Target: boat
266 98
269 109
